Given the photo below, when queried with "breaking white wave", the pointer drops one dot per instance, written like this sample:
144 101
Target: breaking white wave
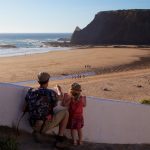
27 51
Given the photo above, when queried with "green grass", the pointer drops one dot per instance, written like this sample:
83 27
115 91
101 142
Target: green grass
7 138
145 101
8 144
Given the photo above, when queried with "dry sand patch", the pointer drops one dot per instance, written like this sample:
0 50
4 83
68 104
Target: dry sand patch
22 68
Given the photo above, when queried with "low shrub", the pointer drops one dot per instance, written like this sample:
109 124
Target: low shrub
145 101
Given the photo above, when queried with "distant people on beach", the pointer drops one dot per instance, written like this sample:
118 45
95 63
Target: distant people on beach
40 104
78 76
75 102
88 66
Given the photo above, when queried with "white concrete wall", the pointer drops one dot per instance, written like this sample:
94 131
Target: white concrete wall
106 121
11 105
109 121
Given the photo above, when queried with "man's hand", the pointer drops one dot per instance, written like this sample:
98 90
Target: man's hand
59 90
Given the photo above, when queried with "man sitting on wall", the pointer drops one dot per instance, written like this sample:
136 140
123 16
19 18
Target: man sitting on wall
40 103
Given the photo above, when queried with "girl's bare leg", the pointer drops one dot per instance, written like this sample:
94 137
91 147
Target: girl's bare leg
80 135
73 135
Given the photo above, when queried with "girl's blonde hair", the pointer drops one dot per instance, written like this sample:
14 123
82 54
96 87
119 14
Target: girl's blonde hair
76 87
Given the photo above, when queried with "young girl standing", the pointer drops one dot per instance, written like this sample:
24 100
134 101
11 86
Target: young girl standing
75 102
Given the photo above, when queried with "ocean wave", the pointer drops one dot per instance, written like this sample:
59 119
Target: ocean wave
29 43
22 44
28 51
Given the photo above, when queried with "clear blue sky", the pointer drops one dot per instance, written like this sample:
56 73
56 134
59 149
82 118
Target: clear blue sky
25 16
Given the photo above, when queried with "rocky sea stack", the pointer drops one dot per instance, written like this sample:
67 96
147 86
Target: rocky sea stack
130 27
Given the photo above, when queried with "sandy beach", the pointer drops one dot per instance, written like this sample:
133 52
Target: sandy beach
121 73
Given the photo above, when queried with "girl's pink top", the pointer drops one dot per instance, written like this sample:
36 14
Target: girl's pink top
75 108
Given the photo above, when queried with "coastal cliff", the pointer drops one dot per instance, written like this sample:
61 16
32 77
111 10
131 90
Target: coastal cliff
116 27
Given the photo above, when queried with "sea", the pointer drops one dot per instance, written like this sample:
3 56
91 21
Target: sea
15 44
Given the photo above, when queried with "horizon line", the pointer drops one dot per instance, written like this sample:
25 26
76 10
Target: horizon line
35 32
